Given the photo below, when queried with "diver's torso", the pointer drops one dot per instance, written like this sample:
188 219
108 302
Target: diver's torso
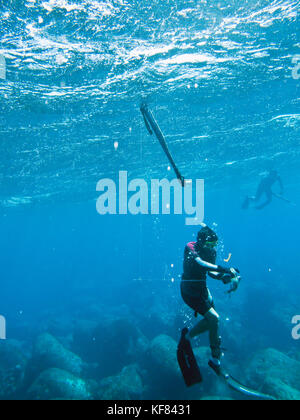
267 183
194 276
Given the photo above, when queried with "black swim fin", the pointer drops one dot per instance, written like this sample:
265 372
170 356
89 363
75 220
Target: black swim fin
187 361
236 386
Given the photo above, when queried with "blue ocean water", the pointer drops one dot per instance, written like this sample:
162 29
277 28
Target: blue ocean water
222 79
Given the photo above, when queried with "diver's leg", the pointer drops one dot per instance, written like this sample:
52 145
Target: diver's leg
259 193
202 305
269 195
213 321
200 328
251 200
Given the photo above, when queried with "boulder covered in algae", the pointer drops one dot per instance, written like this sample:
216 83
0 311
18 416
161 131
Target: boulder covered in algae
58 384
127 385
276 374
12 369
50 353
163 351
164 376
112 343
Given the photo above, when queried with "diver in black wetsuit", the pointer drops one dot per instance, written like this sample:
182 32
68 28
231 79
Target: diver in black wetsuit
265 188
200 260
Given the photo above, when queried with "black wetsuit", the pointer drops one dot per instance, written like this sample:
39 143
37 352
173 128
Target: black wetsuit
194 289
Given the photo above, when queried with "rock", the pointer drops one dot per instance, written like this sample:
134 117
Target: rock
59 384
125 386
50 353
164 378
202 355
279 389
274 373
163 351
297 356
12 368
112 344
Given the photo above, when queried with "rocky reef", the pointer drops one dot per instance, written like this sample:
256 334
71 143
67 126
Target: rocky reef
49 353
275 373
127 385
13 363
59 384
118 358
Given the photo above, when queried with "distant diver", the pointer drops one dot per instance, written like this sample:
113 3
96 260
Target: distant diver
200 260
265 189
152 126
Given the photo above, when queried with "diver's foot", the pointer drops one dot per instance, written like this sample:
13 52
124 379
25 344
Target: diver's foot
215 364
218 369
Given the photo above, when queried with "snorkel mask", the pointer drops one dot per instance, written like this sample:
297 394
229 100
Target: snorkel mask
211 244
207 237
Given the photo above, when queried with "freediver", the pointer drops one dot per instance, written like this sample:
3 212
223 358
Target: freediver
200 260
265 188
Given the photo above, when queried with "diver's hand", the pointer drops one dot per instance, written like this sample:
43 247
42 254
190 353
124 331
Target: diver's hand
235 282
231 274
234 272
227 278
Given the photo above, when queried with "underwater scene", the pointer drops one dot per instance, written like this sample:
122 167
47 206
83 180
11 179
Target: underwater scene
149 200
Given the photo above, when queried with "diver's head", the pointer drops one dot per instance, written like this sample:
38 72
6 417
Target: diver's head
207 238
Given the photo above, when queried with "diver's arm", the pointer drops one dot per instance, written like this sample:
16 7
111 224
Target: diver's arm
216 276
212 267
225 278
